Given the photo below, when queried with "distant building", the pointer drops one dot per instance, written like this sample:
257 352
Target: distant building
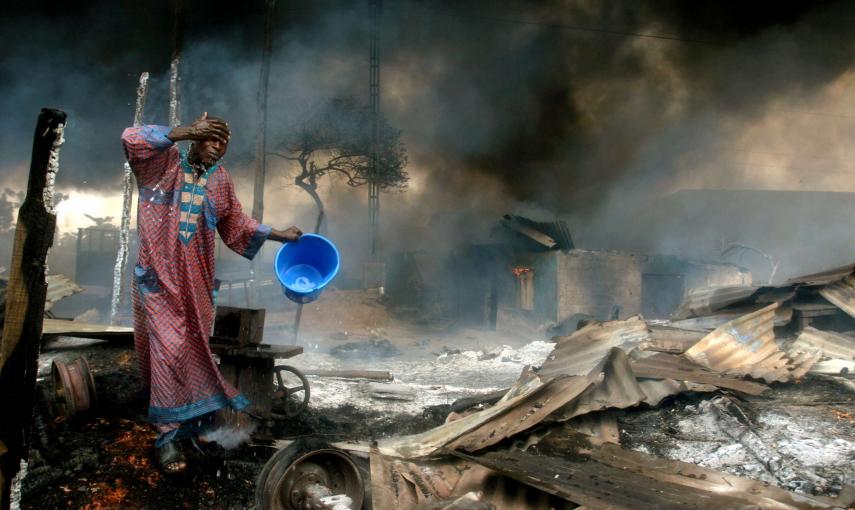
532 274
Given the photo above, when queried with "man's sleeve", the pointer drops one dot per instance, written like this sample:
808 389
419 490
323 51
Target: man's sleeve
147 149
238 230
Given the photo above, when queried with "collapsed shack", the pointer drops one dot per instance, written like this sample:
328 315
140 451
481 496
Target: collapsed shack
552 440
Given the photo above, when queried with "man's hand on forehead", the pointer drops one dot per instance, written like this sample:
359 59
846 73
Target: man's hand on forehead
203 128
209 128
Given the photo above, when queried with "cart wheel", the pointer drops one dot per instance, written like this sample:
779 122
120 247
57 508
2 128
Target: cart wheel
287 479
291 392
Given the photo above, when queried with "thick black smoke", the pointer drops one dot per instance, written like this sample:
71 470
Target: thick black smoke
564 105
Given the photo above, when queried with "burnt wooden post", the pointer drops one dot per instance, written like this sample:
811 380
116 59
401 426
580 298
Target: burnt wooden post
25 299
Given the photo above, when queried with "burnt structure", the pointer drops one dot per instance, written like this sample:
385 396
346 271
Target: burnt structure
531 273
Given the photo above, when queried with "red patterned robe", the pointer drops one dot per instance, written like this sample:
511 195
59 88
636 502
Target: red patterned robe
173 292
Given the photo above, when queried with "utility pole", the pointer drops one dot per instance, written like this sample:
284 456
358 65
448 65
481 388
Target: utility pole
261 128
375 7
374 271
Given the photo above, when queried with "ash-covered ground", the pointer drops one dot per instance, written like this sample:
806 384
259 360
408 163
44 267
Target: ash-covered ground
799 436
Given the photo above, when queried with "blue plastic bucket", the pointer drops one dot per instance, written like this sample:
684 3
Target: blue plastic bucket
305 267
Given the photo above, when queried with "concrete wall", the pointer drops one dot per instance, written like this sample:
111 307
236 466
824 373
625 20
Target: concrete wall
592 283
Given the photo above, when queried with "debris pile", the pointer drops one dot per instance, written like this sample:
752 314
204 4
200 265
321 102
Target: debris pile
552 439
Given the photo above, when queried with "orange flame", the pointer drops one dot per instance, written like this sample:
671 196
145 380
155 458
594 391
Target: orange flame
519 271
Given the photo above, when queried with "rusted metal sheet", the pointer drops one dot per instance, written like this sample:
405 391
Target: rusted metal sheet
831 343
672 339
658 390
550 234
526 393
516 224
58 287
580 352
783 316
745 347
602 425
606 476
669 366
706 300
823 278
397 484
615 386
842 294
489 426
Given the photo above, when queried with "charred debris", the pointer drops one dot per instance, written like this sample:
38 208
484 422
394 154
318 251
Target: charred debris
740 398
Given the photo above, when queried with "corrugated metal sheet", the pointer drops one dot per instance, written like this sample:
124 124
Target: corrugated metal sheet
783 316
397 484
489 426
832 344
552 234
672 339
545 401
824 277
746 346
842 294
59 286
580 352
669 366
616 387
659 389
606 476
705 300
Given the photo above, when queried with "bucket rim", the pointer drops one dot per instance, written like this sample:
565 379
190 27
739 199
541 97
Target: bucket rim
325 280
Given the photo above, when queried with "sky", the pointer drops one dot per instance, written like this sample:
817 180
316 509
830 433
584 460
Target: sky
589 111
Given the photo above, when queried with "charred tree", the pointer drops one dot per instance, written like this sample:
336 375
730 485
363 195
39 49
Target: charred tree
25 298
337 138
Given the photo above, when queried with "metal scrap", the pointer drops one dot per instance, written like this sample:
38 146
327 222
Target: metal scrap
705 300
606 476
525 405
669 366
580 352
824 277
514 223
842 294
58 287
615 387
552 235
746 347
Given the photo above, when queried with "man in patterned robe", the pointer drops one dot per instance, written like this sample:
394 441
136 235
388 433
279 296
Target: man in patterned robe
183 199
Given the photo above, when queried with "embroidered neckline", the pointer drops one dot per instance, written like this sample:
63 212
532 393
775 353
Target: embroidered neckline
192 198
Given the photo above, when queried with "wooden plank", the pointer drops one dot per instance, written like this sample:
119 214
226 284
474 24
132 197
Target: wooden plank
374 375
58 327
25 298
